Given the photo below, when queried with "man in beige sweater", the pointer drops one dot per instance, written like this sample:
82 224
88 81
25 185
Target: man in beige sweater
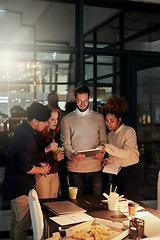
83 129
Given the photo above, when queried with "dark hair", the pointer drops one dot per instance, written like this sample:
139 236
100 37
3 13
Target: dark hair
116 105
53 98
82 88
38 111
70 106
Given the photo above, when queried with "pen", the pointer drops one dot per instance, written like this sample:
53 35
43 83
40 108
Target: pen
88 202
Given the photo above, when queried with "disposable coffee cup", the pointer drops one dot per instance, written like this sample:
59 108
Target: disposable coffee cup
73 192
132 208
113 201
43 164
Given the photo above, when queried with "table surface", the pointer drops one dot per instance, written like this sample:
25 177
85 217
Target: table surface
93 206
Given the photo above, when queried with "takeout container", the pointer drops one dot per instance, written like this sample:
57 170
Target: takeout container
57 154
113 201
119 230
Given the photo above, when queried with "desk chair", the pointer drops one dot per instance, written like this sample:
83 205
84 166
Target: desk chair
158 192
36 216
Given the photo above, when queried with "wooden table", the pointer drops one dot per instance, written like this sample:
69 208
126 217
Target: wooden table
93 206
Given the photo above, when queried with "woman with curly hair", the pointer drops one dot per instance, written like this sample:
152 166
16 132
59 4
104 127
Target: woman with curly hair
47 141
122 148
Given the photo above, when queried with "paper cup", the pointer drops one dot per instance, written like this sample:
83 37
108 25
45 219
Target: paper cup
73 192
43 164
113 202
132 208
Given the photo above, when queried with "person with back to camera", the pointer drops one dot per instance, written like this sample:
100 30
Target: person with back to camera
122 148
21 169
47 140
83 129
53 100
62 167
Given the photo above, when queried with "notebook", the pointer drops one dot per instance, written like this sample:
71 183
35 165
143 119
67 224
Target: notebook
112 169
63 207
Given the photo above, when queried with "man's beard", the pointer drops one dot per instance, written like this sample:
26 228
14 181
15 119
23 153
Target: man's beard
81 109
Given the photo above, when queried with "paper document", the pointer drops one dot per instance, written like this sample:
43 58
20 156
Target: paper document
123 207
152 224
112 169
71 218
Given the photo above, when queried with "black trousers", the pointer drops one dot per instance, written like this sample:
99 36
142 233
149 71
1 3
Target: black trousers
63 175
129 180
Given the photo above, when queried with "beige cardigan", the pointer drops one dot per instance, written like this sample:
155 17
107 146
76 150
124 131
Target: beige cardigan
122 147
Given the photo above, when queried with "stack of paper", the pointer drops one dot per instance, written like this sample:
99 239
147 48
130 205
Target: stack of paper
71 218
68 213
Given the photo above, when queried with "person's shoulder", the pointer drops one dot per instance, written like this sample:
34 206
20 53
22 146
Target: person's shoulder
127 128
69 115
97 114
24 130
23 136
21 127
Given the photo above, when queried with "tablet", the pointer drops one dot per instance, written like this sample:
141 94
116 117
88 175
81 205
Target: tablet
90 152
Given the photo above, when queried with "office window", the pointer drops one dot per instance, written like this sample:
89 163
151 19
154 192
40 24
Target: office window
137 22
38 22
105 34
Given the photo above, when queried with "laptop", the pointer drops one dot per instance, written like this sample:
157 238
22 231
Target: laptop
63 207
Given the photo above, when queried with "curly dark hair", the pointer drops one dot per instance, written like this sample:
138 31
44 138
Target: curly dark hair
116 105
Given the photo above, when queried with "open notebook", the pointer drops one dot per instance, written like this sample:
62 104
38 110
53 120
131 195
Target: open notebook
63 207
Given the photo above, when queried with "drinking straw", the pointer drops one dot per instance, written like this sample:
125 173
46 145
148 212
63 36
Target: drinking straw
115 189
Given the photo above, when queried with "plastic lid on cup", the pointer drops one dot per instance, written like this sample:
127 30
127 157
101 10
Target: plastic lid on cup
132 204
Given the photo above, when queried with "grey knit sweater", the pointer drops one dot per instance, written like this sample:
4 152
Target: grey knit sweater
82 132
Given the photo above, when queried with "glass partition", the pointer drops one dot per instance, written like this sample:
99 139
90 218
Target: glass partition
23 82
40 22
109 33
148 128
147 42
135 22
105 34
